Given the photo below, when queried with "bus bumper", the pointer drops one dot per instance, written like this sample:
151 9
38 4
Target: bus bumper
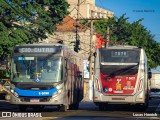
137 98
54 100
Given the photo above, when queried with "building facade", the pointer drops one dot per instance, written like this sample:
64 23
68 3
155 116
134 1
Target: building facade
87 9
66 32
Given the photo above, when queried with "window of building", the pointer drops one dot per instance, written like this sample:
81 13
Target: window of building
98 15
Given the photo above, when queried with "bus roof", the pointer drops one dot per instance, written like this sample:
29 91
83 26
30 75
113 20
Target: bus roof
122 47
42 44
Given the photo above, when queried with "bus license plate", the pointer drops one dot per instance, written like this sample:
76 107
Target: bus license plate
118 98
34 100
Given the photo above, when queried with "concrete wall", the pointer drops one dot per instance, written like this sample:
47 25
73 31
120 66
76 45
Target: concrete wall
88 10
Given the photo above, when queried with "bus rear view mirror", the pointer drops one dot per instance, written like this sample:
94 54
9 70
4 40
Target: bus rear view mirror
149 75
95 54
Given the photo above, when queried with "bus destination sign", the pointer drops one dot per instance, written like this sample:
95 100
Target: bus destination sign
119 54
37 49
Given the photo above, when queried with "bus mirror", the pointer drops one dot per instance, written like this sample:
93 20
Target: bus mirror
149 75
95 54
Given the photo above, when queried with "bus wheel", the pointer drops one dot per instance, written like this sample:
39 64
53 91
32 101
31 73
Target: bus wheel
74 106
7 97
71 107
38 108
144 106
141 107
22 108
63 108
102 107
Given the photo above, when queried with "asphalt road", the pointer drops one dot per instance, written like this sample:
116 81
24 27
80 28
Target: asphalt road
87 111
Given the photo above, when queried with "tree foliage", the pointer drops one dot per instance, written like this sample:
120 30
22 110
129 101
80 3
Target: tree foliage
132 34
27 21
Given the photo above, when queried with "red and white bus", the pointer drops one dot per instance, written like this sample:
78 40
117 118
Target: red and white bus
121 76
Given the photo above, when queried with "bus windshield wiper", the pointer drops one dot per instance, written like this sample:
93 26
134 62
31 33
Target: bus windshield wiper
120 71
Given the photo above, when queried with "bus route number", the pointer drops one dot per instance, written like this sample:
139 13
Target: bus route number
43 93
119 54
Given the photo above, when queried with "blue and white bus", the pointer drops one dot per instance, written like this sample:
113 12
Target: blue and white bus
46 74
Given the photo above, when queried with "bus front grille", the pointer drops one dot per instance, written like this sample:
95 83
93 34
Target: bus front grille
28 99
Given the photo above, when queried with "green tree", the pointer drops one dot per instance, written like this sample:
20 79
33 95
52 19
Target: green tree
132 34
27 21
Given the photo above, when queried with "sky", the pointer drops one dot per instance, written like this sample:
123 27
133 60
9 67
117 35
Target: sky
135 10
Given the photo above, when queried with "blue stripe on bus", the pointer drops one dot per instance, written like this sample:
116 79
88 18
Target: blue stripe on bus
35 93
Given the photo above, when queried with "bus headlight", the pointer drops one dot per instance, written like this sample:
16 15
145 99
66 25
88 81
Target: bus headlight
14 93
57 92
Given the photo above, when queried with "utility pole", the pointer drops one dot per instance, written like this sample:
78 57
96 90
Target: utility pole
77 42
90 63
91 36
108 37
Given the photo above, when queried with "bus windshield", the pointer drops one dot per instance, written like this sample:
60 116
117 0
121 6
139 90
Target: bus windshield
37 69
115 70
119 61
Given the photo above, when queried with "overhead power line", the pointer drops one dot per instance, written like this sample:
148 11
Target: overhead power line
101 4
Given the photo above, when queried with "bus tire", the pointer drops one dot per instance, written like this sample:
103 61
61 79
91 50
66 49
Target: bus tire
101 107
145 106
96 103
38 107
71 107
76 106
141 107
63 108
22 108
